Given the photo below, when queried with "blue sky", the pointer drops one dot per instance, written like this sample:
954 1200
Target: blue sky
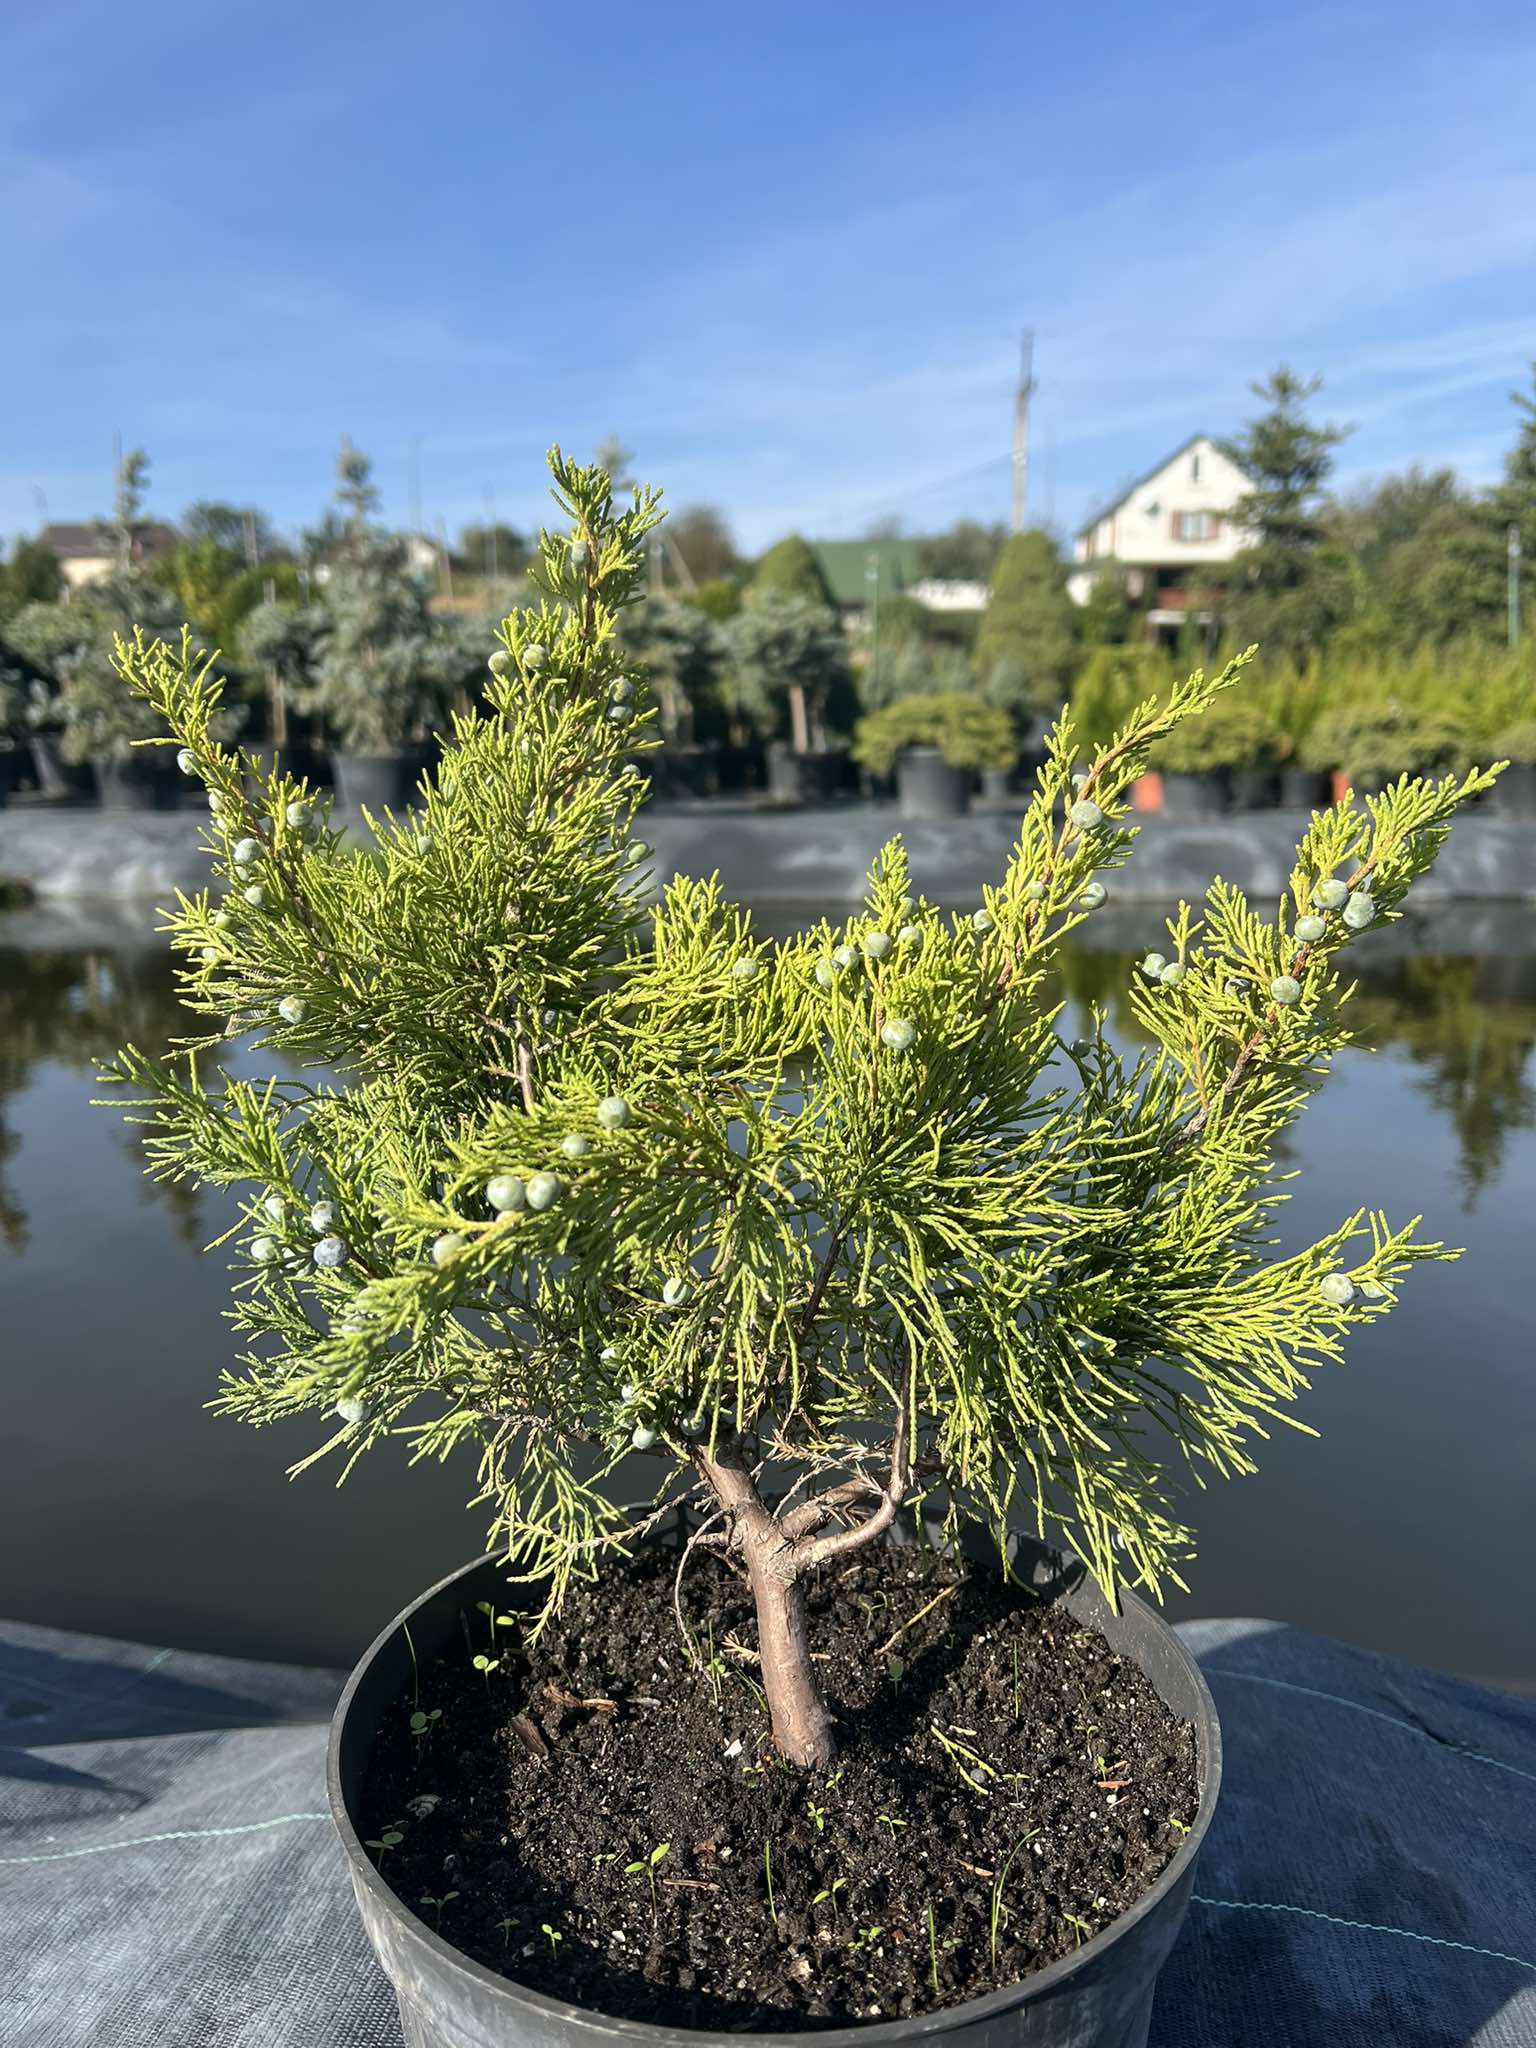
783 251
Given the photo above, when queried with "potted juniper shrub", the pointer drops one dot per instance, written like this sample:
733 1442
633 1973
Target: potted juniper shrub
1196 768
787 659
828 1254
377 674
1371 745
935 743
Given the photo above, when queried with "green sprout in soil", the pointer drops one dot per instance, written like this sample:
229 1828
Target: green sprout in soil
389 1838
422 1722
646 1866
554 1934
828 1896
437 1904
997 1914
595 1167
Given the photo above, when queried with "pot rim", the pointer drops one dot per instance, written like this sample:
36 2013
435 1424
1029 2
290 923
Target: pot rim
879 2033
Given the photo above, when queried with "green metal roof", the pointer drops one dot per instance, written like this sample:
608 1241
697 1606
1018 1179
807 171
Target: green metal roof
845 564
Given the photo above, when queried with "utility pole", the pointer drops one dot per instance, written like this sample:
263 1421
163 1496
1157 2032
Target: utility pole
413 477
1021 430
1513 545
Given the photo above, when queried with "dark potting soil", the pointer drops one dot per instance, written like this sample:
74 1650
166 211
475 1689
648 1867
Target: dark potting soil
608 1823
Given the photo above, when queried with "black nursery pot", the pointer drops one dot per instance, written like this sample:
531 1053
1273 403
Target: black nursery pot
375 782
1514 794
927 787
1195 796
135 784
1100 1996
805 778
1255 789
1305 789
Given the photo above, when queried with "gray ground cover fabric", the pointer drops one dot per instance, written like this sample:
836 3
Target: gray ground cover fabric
168 1876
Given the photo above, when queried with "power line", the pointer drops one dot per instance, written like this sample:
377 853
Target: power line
897 500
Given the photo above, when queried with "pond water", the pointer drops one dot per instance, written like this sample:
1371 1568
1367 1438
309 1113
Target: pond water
131 1511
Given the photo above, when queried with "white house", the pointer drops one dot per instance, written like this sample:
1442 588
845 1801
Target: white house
87 549
1161 531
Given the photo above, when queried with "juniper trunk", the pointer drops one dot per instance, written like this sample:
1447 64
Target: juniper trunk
776 1568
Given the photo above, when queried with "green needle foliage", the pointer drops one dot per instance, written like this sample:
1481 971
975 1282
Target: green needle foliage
593 1175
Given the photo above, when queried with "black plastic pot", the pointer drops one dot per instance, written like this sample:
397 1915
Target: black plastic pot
690 771
1255 789
927 787
135 783
1305 789
375 782
1514 794
1195 796
1100 1996
805 778
740 768
55 776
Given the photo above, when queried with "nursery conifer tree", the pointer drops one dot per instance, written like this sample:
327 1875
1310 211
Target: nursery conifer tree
578 1175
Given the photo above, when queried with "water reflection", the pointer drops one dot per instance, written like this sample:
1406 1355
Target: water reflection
72 1009
136 1501
1466 1028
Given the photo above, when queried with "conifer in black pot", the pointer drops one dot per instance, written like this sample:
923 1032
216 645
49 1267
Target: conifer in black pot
840 1235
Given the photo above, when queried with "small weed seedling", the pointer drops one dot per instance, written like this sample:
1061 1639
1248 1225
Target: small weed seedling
998 1915
1016 1690
485 1666
421 1723
818 1816
390 1838
768 1875
506 1929
437 1905
933 1950
865 1938
828 1897
889 1820
1081 1925
646 1866
405 1630
555 1936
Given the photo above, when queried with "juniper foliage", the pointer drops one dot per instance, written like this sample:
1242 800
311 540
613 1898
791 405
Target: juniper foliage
598 1173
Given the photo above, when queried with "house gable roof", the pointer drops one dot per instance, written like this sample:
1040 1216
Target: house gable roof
78 540
1145 478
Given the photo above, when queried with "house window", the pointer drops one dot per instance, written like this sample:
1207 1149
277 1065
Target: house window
1194 469
1194 526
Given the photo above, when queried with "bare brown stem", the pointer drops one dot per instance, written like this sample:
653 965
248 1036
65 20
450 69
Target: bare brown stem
779 1556
802 1724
